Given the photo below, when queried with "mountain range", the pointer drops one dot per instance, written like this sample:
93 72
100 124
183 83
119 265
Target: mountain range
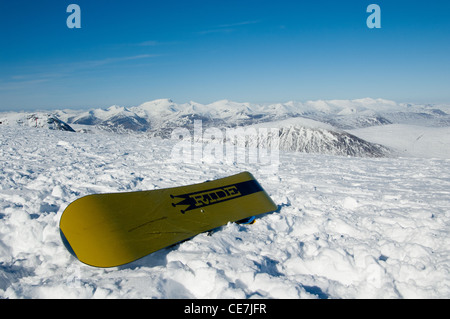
313 126
343 114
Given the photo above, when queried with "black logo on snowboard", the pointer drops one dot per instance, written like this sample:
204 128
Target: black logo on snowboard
216 195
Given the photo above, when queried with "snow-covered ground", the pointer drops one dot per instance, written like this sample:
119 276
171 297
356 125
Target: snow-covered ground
346 227
409 140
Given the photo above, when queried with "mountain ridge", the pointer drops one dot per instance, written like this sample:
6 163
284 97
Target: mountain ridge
345 114
312 126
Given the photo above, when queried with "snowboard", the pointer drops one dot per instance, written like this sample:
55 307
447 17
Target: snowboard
108 230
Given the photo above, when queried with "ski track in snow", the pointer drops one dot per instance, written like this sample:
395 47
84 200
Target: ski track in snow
345 228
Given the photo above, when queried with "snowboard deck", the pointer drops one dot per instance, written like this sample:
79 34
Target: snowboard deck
108 230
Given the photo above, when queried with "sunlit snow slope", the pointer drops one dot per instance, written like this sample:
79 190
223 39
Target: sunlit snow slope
345 228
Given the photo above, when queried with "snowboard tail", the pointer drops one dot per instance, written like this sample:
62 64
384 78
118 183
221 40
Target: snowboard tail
108 230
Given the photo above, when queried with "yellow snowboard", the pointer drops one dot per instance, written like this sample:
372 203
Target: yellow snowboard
108 230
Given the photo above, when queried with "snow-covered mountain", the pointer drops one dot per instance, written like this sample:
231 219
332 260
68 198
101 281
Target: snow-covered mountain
327 141
114 118
161 117
345 114
303 135
36 119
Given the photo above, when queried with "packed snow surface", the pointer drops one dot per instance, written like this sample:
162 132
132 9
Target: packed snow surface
345 227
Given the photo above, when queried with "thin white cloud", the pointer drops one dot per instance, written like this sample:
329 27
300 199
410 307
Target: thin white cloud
19 81
94 63
150 43
13 85
238 24
227 28
153 43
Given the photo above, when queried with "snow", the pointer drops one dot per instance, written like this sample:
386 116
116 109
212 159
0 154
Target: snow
35 119
296 122
346 227
346 114
409 140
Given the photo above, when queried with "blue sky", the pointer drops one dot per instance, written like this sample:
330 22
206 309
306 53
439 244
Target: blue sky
129 52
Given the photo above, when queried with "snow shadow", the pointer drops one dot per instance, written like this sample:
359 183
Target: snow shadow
158 258
10 274
314 290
